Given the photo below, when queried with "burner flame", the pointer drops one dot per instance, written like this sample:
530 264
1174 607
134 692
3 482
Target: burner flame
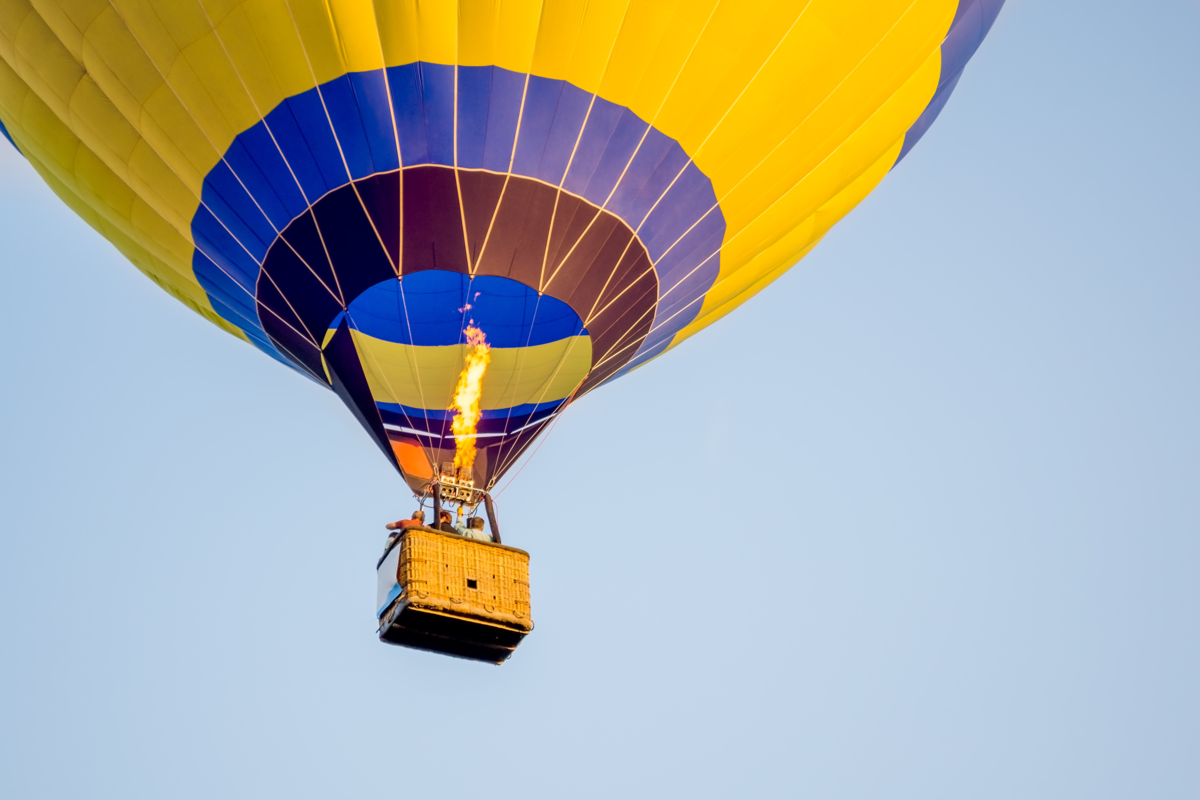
467 395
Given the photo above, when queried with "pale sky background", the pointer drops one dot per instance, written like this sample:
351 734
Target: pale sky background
980 393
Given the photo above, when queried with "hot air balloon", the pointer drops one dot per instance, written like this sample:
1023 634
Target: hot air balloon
384 196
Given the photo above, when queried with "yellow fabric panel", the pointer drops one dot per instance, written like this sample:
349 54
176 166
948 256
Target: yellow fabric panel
339 36
44 63
575 40
500 32
64 25
84 181
792 183
777 257
147 94
425 377
418 30
653 52
182 289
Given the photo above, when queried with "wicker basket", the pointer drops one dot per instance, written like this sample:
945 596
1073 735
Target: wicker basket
458 596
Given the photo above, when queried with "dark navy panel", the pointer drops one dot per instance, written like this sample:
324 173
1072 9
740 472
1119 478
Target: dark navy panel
351 386
430 309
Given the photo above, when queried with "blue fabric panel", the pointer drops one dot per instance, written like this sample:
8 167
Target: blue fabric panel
342 107
252 170
658 161
609 140
496 420
504 110
229 202
474 95
317 137
437 88
294 148
4 131
374 108
428 308
931 112
972 21
214 241
408 106
689 198
277 168
682 262
565 126
537 118
234 305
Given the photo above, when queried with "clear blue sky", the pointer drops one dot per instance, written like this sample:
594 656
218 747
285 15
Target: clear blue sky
982 582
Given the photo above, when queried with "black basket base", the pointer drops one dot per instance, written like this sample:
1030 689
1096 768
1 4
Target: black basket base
438 632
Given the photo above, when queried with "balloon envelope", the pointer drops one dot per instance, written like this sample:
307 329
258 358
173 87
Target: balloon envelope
348 185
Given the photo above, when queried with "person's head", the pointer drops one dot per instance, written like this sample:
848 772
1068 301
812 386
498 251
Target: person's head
445 516
477 523
419 515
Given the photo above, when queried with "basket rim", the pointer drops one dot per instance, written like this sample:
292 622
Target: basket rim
424 529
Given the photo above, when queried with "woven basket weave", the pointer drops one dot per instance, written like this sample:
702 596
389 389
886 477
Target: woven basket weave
466 578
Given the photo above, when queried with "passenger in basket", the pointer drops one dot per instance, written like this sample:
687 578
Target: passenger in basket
474 530
418 518
445 523
397 528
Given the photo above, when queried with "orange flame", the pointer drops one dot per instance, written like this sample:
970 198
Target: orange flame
466 397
